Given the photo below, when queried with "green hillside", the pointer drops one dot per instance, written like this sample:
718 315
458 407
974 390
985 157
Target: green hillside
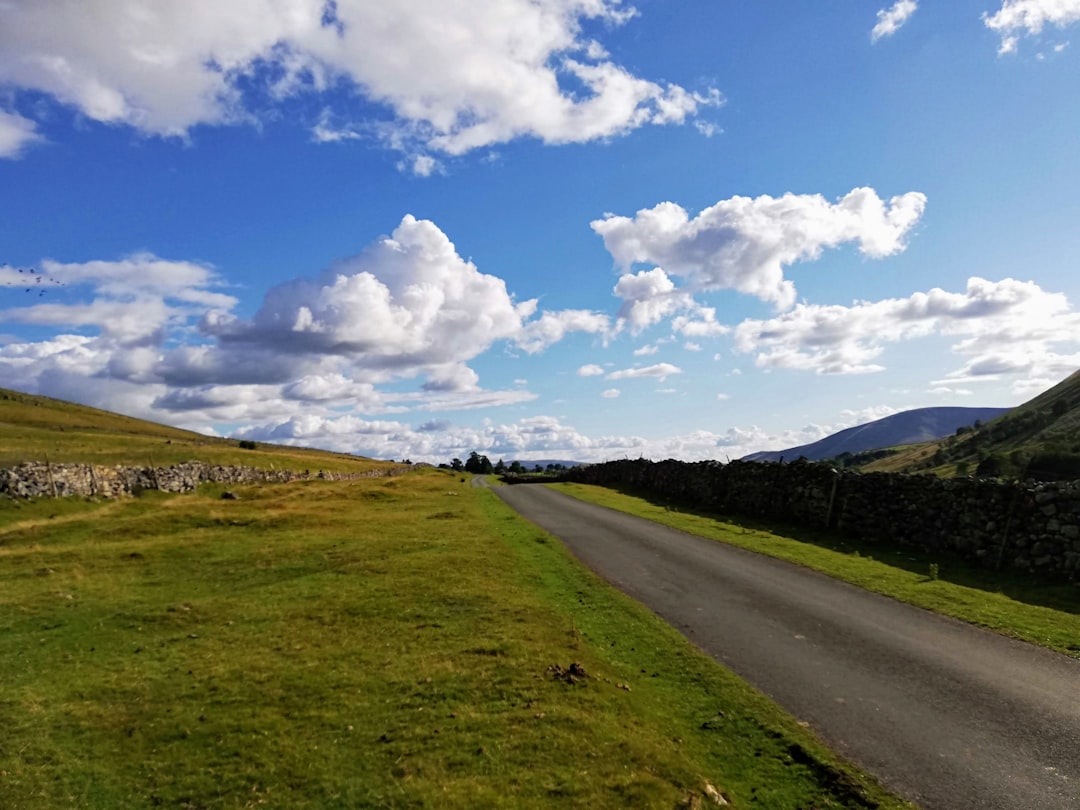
35 428
1039 439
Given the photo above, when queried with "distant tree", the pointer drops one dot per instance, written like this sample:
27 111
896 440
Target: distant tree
538 469
478 464
456 465
247 444
500 466
516 468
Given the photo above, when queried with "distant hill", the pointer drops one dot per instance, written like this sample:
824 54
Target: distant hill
907 427
1039 439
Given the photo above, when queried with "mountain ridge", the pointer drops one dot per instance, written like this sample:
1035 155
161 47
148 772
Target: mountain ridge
907 427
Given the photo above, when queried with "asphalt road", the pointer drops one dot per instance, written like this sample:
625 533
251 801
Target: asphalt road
947 715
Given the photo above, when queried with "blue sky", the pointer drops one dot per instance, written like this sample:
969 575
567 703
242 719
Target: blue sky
538 228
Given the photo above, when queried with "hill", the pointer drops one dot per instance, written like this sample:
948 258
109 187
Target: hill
907 427
36 428
1039 439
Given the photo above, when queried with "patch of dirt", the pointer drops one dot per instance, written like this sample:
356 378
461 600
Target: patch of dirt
571 675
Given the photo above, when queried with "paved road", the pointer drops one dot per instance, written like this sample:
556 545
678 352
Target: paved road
944 714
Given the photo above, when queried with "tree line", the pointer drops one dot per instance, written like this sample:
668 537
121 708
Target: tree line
478 464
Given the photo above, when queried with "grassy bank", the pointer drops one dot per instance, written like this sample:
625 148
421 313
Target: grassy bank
34 428
1044 614
378 643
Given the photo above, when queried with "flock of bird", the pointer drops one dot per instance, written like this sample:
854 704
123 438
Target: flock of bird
38 282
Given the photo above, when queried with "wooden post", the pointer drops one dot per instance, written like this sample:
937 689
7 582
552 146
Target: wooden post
93 482
52 481
154 475
832 498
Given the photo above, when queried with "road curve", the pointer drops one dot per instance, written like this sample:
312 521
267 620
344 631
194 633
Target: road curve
945 714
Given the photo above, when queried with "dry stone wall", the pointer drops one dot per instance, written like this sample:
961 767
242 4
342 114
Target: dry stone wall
1033 527
37 480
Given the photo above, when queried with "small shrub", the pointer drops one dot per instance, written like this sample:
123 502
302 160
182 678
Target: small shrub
247 444
934 572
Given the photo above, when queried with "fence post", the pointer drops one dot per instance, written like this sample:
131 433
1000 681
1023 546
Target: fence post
832 499
52 481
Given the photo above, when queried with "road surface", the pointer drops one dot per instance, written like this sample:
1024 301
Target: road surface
945 714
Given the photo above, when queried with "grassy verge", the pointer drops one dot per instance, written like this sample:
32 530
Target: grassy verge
1044 614
377 643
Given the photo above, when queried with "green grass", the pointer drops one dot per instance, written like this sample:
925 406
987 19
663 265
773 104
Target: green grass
34 428
375 643
1044 614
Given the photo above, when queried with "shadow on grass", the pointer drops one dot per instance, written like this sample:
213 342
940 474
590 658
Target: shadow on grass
1055 594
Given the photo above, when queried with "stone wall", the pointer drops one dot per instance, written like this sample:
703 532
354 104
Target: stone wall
1033 527
37 480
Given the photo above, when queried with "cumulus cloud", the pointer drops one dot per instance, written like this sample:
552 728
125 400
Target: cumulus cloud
163 335
1007 327
1018 18
745 244
891 19
611 393
659 371
133 300
590 370
455 75
406 301
16 133
551 327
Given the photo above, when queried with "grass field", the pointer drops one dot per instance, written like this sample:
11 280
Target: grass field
1040 613
377 643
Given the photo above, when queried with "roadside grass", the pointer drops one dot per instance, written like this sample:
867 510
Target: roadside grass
372 643
1047 614
34 428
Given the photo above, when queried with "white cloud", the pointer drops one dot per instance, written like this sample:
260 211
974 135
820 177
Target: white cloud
611 393
551 327
16 133
456 75
645 351
723 397
590 370
325 131
163 334
691 346
944 390
660 371
1003 328
1017 18
891 19
407 302
851 417
744 244
133 301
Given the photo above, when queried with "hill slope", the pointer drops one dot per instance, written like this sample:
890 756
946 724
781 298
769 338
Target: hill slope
35 428
907 427
1039 439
